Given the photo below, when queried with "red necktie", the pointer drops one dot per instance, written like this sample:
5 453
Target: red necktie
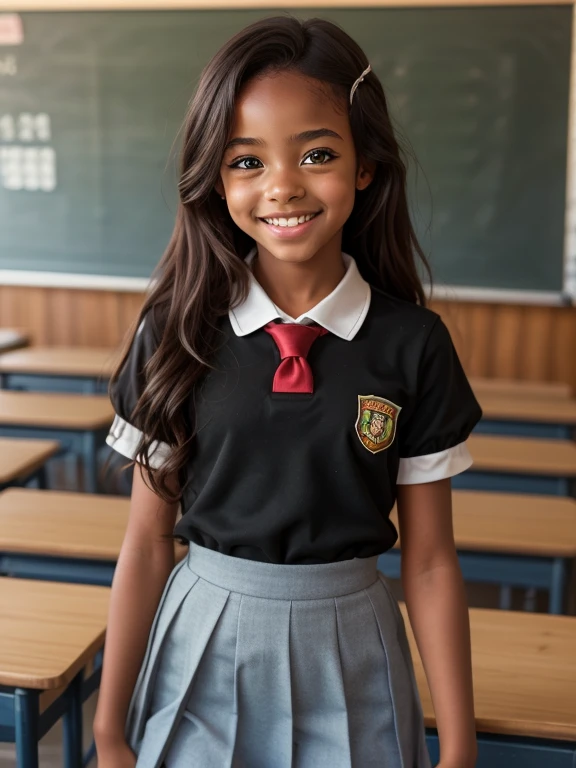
293 341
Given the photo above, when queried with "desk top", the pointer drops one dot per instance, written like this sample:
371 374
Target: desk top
61 361
499 453
524 669
65 524
55 411
10 338
542 409
510 387
544 526
20 458
49 630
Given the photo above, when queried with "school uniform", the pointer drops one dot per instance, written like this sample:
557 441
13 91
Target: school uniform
277 643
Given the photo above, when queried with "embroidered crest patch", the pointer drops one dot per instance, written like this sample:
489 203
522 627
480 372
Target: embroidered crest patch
376 423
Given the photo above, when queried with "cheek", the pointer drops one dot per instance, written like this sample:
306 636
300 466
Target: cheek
240 198
337 191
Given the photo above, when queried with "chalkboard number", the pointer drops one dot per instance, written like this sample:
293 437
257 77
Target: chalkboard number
25 127
28 168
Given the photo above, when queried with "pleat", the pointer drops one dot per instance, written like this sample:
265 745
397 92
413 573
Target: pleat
183 649
207 730
321 727
263 692
364 660
402 682
179 583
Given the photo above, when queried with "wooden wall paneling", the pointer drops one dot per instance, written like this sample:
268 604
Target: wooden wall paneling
481 332
97 316
26 308
506 340
130 305
62 317
538 342
494 341
564 348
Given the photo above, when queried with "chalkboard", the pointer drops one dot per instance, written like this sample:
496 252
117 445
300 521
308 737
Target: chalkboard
91 104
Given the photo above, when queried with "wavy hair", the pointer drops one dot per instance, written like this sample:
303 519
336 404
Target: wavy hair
202 272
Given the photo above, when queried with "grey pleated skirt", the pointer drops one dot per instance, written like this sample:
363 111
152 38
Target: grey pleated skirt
257 665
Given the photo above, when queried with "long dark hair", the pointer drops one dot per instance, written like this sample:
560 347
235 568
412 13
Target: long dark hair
202 271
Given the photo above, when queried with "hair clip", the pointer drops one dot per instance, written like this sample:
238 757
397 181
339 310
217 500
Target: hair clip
357 83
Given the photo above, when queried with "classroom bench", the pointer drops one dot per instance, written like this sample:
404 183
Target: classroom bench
63 536
24 460
524 670
524 541
58 369
10 339
519 388
79 422
527 415
520 465
521 541
50 634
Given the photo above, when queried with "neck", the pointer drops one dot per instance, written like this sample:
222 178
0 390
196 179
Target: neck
296 287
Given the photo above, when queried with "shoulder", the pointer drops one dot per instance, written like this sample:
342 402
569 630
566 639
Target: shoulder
406 322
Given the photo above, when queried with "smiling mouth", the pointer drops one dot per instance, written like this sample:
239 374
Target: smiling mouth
292 221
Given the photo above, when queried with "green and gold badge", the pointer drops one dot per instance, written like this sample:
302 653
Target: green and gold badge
376 423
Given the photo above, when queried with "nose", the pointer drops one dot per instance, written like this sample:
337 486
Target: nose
283 186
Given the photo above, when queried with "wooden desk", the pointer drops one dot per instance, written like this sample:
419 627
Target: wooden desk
50 632
63 536
69 369
520 465
20 460
524 668
527 415
79 422
12 339
507 539
511 388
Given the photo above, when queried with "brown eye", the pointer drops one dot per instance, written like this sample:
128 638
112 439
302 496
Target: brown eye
237 163
318 156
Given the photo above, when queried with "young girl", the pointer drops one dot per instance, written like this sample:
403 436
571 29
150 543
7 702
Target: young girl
284 388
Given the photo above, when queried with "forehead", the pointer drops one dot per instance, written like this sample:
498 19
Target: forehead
280 104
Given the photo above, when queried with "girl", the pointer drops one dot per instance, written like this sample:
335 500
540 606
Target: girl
284 388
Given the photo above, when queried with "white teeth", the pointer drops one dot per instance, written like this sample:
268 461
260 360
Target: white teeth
293 221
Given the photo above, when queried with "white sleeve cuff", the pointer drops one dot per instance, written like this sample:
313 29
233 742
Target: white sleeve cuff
124 438
434 466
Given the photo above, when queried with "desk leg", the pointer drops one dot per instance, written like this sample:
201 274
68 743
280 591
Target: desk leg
530 596
26 704
505 597
72 724
556 602
89 463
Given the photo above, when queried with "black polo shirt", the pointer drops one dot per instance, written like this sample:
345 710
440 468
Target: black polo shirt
298 478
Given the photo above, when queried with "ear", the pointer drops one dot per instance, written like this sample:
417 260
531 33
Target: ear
364 173
219 187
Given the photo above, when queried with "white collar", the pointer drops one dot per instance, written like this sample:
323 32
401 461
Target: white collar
342 312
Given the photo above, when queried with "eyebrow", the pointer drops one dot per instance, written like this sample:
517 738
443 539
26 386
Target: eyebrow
317 133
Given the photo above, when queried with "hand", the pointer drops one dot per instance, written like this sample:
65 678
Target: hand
117 755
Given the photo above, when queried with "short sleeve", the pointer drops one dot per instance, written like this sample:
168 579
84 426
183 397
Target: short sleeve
444 412
125 433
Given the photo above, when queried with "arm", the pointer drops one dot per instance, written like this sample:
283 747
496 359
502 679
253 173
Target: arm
144 564
437 607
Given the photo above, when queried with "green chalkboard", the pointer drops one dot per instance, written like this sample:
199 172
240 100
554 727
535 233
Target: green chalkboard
91 104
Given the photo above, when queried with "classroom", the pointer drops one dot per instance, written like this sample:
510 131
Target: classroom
482 97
